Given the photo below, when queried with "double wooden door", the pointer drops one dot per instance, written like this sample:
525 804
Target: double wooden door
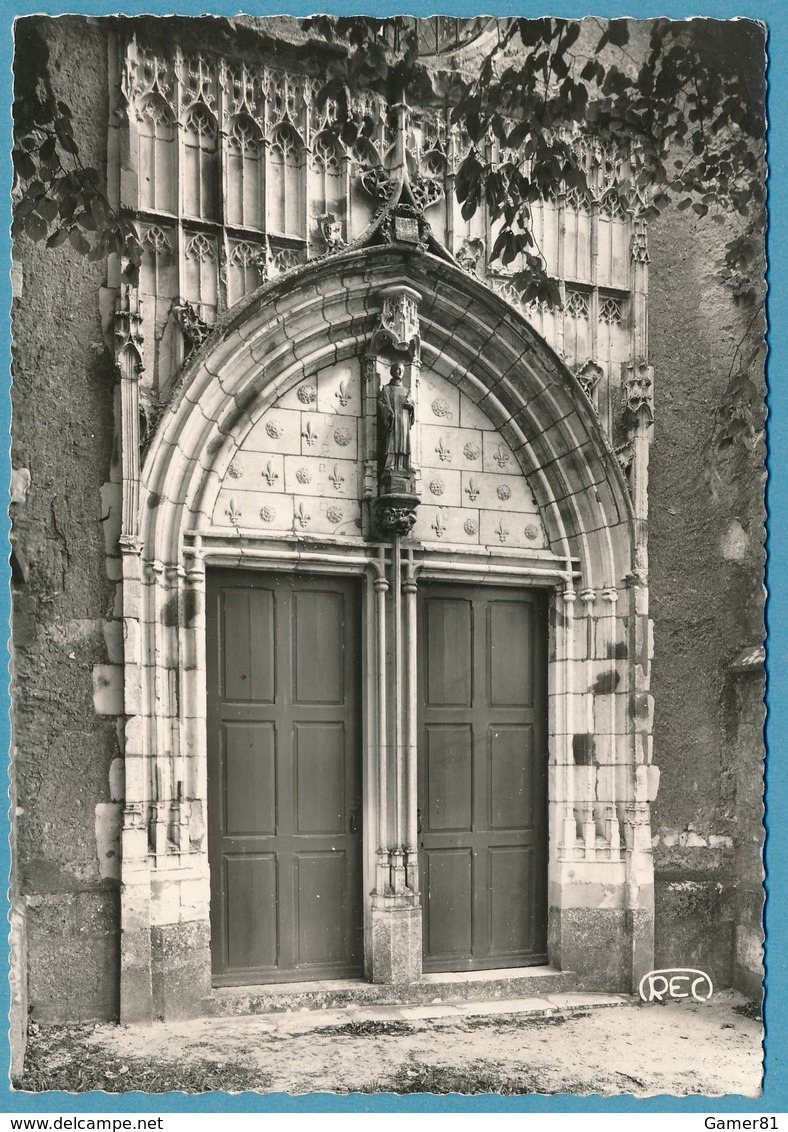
284 777
483 777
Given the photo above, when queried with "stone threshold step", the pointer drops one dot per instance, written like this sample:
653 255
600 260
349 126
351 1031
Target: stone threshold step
431 989
359 1017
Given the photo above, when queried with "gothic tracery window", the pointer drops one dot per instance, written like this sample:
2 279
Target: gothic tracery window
228 193
157 180
576 327
613 226
287 213
201 163
246 270
244 201
327 166
200 276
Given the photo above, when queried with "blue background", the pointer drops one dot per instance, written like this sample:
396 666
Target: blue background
775 1097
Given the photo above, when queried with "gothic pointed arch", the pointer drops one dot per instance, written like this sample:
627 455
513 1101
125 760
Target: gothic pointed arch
281 394
470 337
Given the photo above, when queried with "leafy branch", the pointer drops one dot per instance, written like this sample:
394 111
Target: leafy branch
57 198
694 103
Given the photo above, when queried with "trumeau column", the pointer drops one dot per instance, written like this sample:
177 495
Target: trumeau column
391 370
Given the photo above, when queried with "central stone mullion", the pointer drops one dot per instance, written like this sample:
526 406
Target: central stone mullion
396 905
392 395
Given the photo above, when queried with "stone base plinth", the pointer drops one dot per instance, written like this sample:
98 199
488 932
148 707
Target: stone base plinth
181 962
592 942
396 945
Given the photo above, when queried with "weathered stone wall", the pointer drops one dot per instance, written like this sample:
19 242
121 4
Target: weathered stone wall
746 704
705 552
66 845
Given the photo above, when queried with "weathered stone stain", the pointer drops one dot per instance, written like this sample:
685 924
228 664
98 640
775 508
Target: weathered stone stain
169 612
191 607
606 683
584 748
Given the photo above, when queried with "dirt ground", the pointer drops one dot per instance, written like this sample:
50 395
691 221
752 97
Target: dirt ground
604 1045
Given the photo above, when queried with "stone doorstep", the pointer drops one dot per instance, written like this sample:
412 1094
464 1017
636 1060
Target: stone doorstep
449 990
304 1021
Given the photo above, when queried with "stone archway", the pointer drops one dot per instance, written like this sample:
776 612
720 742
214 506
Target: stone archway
601 781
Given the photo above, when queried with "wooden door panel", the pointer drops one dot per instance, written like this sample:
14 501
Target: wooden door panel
320 904
449 881
318 646
248 656
483 776
449 755
511 910
284 777
249 764
511 777
319 764
509 646
449 643
251 887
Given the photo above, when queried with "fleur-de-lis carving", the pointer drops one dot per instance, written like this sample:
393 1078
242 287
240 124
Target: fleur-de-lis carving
501 531
443 452
342 394
302 516
472 491
501 456
309 434
233 513
439 525
269 475
337 479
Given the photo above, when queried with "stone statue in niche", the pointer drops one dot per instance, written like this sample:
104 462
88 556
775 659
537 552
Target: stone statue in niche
395 507
396 414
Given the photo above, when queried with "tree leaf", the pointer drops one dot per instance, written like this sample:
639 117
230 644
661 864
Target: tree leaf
35 227
78 241
24 164
58 237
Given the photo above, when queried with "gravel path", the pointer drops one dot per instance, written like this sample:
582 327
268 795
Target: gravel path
589 1044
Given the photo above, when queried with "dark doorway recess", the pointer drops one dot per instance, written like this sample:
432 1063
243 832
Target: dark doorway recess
483 777
284 777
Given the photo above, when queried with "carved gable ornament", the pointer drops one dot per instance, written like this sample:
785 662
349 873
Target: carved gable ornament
399 320
639 392
589 376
